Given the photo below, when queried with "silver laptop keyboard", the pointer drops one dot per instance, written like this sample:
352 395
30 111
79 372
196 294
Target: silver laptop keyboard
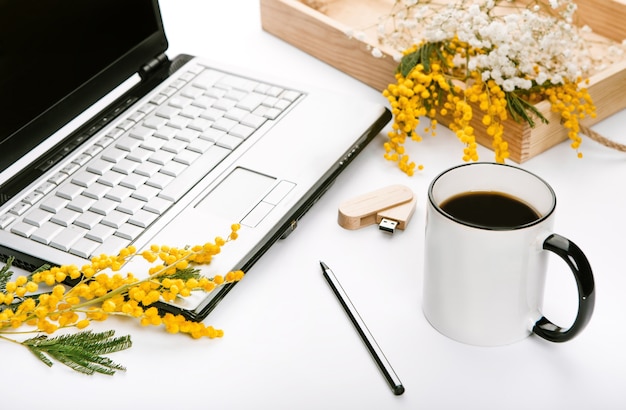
113 190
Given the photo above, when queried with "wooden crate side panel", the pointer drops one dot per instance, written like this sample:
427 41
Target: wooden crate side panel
326 39
604 17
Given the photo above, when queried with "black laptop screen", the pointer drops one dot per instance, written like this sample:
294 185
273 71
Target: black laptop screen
51 48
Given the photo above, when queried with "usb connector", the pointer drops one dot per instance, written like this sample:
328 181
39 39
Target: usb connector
387 225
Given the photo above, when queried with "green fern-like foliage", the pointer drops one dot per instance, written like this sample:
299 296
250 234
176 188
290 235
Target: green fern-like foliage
5 274
80 351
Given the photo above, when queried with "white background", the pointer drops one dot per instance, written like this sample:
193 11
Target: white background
288 343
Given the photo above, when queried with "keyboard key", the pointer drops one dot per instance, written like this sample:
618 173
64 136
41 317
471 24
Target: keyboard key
140 132
148 191
37 217
153 143
207 79
113 154
119 193
236 114
65 217
251 101
158 205
166 133
23 229
173 169
125 166
167 111
178 122
139 155
290 95
200 146
127 143
103 206
70 168
81 203
174 147
45 188
200 124
192 92
111 178
130 205
162 157
158 181
147 169
100 233
99 166
69 191
154 122
20 208
186 157
81 159
84 247
203 102
191 112
229 141
88 220
53 204
143 218
133 181
179 102
212 114
224 124
254 121
212 134
96 191
46 232
129 232
67 237
6 220
58 178
115 219
84 178
241 131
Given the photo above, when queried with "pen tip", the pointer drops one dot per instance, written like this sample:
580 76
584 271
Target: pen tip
323 265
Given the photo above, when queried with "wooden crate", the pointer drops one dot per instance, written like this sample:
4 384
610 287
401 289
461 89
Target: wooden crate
322 33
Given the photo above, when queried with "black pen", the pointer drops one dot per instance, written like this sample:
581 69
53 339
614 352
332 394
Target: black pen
366 336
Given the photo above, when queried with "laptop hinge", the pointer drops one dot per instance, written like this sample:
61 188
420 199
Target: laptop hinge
153 65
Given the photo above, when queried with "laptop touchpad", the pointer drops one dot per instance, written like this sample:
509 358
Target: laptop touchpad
237 194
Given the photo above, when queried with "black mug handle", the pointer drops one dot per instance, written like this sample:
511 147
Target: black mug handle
581 269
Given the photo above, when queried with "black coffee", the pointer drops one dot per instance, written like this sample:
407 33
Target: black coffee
490 209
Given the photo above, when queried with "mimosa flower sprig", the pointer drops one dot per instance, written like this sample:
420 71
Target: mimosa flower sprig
99 291
492 58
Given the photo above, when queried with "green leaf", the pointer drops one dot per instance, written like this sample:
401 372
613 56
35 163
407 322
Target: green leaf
408 62
80 351
522 110
6 273
423 55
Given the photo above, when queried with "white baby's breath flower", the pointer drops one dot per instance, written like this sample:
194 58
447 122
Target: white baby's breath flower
376 52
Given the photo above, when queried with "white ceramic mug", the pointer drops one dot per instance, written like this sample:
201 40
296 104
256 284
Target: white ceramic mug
484 285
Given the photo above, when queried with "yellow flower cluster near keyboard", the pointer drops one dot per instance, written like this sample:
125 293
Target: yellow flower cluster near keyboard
97 291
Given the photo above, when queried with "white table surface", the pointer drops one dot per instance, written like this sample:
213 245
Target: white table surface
288 343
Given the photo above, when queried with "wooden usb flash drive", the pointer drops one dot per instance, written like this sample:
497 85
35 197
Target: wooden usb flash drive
390 207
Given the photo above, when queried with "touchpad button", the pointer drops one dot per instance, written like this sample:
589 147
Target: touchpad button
239 192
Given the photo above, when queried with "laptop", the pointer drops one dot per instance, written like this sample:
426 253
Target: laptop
106 142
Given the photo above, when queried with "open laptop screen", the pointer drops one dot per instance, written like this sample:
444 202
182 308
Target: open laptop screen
57 57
